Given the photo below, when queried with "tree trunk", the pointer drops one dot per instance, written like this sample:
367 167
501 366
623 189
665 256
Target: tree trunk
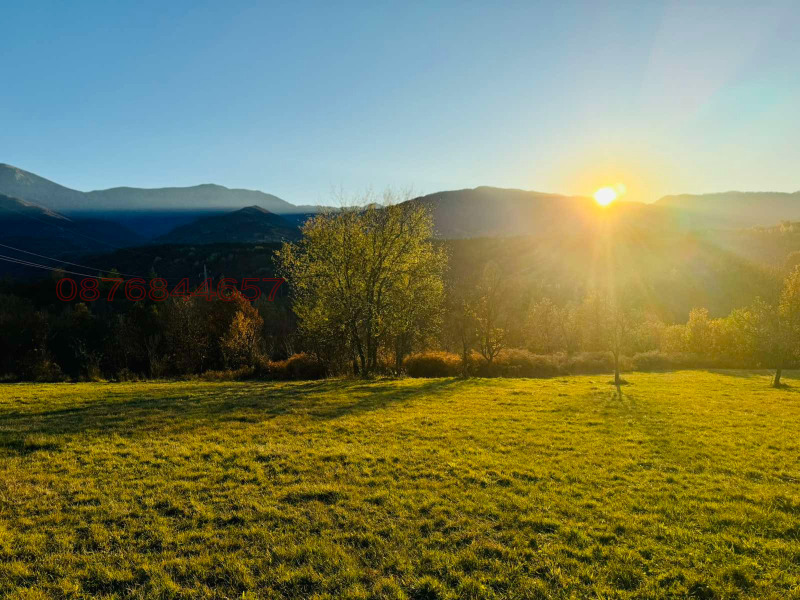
617 380
464 357
776 382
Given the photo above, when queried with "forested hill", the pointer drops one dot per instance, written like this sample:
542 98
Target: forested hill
673 272
737 209
252 224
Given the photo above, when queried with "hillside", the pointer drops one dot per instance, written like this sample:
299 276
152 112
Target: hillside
18 183
28 186
206 196
737 209
250 225
176 262
673 271
32 228
499 212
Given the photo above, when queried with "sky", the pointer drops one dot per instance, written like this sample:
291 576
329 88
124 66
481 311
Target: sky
304 99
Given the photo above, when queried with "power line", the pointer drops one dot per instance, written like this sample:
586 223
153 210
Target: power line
46 267
76 233
66 262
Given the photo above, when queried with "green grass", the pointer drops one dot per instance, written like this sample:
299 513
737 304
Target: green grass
689 485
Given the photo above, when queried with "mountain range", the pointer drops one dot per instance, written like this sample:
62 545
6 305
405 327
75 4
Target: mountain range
18 183
474 212
44 217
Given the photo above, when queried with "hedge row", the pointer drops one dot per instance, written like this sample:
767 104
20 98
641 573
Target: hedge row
521 363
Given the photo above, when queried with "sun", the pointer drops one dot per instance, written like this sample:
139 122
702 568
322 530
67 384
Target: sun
605 196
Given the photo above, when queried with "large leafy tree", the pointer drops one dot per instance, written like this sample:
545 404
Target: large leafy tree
778 327
363 278
490 311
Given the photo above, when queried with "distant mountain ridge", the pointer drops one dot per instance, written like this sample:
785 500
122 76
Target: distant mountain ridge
32 228
489 211
742 209
479 212
249 225
28 186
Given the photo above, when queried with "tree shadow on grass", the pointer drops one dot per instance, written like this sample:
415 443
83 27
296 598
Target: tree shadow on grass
168 409
790 380
753 373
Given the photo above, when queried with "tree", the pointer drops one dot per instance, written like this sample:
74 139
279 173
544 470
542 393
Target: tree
239 344
778 327
544 328
421 296
461 327
593 318
362 276
620 328
488 309
698 332
610 322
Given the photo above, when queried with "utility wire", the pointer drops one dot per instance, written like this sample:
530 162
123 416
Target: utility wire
76 233
66 262
46 267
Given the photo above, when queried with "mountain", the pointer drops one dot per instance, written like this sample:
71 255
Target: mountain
498 212
18 183
737 209
206 196
21 184
22 218
27 230
250 225
489 211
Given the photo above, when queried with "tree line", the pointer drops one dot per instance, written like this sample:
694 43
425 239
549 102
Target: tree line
371 292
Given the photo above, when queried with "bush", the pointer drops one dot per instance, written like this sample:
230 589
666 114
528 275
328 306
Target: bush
514 362
304 366
665 361
241 374
432 364
593 363
46 371
297 366
125 374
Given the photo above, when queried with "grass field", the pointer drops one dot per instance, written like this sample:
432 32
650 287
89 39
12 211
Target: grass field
689 485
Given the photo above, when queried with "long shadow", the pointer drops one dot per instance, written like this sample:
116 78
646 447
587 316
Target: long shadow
754 373
381 395
173 408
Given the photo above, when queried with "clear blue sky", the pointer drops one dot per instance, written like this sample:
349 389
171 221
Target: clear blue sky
299 98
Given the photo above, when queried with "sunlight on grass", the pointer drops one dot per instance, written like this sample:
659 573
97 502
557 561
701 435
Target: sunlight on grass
435 488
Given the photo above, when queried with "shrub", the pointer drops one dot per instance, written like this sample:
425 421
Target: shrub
665 361
241 374
514 362
297 366
46 371
432 364
304 366
275 369
125 374
593 363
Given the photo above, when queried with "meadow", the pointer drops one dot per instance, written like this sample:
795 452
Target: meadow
688 485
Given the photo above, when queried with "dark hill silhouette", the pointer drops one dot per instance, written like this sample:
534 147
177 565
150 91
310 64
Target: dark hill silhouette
250 225
498 212
32 228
